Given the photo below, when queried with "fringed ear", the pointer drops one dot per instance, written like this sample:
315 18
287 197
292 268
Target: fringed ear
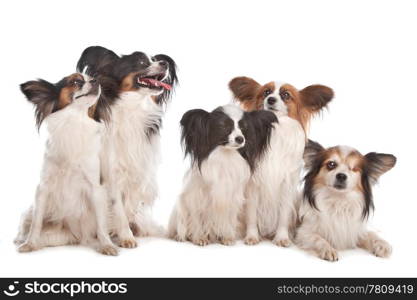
194 134
311 150
244 90
96 60
313 159
43 95
172 79
377 164
257 128
316 97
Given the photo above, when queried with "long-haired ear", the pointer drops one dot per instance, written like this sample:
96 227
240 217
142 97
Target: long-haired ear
313 159
172 79
377 164
258 132
311 150
43 95
96 60
315 97
194 134
244 89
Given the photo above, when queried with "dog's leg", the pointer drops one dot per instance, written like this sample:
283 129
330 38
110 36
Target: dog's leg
223 216
24 227
32 241
282 234
120 220
199 227
288 196
182 224
251 217
99 203
371 242
313 242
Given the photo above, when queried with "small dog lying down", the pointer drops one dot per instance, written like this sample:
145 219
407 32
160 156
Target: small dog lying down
338 199
70 205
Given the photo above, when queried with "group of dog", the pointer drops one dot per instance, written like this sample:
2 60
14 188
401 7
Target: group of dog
98 180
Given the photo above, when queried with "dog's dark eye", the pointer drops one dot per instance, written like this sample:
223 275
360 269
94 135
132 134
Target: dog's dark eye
285 96
331 165
267 92
78 82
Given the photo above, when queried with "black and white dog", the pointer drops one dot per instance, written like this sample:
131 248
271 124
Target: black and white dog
135 88
225 146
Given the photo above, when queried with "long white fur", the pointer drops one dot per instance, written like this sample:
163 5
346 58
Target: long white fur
337 223
212 199
129 164
70 205
272 190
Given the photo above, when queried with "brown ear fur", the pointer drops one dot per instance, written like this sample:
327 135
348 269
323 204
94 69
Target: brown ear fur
244 90
315 97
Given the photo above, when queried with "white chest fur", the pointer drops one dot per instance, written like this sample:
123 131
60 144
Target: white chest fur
71 165
225 169
276 179
338 218
129 149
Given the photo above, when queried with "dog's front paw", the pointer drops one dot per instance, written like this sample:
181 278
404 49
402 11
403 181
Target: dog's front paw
179 238
27 247
227 241
128 243
329 254
201 242
282 242
108 250
18 241
252 240
381 248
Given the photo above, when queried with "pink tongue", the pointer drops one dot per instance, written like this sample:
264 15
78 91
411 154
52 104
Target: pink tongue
154 82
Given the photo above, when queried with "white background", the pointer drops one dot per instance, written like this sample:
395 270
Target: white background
365 50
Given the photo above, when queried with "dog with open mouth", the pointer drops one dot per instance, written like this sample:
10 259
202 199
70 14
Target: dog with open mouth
136 88
70 205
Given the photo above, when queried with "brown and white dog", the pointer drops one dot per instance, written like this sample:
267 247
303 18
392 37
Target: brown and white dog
70 205
338 199
272 190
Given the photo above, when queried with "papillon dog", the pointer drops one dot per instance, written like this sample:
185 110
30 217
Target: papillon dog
272 190
225 146
338 200
70 205
136 88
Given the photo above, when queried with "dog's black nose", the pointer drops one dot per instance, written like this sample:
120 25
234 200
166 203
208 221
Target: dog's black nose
239 139
163 63
93 82
341 177
272 100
